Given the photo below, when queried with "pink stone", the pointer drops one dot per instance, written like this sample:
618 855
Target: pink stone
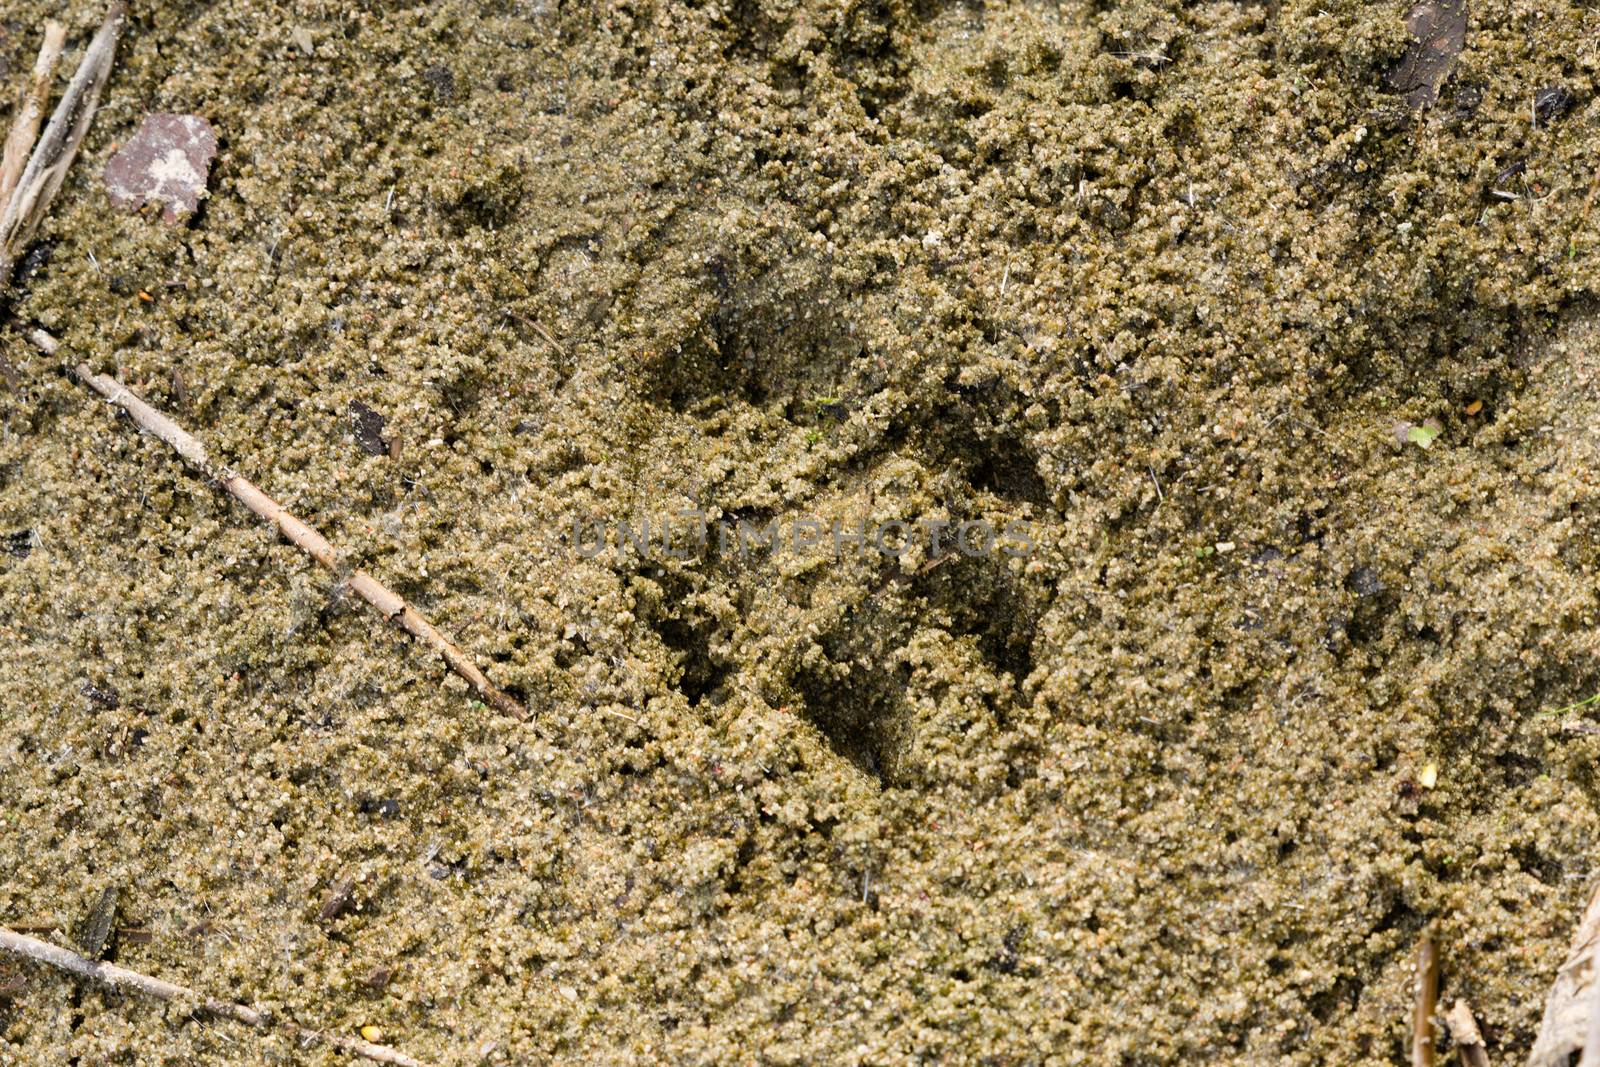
167 162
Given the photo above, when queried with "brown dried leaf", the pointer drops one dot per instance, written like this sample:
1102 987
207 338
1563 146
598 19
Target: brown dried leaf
1570 1009
11 983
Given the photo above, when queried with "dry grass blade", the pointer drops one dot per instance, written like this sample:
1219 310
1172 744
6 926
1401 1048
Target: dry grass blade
30 110
109 974
47 166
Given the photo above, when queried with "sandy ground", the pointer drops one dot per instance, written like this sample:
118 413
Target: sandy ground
1159 282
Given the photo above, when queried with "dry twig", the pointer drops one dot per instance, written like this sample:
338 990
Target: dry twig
47 166
1466 1035
1427 1001
31 102
109 974
389 604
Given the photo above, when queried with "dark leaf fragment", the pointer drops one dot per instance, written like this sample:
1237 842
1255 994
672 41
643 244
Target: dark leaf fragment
1438 34
96 929
368 426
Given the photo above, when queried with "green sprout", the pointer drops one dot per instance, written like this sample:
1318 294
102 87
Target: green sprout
1423 436
1552 712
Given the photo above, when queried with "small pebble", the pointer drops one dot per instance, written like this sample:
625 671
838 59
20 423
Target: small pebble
337 901
167 162
1364 582
441 80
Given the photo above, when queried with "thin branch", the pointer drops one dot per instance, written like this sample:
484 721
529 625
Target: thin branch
389 604
109 974
31 103
58 145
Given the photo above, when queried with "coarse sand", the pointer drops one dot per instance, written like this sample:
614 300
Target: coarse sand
1167 285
